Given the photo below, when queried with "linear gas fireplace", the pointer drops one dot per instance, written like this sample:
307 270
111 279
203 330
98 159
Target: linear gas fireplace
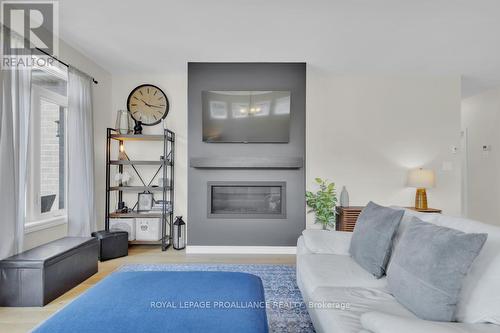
247 200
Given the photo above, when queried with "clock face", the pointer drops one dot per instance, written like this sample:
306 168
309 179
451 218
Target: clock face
148 104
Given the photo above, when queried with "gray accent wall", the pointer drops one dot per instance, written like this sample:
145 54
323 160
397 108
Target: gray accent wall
227 162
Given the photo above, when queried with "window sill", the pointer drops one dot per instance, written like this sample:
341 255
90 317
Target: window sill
45 224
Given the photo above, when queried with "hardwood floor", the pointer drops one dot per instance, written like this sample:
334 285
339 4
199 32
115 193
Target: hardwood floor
21 320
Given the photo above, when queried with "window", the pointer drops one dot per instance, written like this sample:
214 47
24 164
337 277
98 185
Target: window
47 161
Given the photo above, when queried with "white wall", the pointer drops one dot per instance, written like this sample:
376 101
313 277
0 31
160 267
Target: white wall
366 132
362 132
481 121
102 107
175 87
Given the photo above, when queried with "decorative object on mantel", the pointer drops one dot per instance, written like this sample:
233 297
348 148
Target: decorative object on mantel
148 104
421 179
179 233
124 122
344 197
323 202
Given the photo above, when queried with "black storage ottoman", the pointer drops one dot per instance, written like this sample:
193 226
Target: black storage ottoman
40 275
113 243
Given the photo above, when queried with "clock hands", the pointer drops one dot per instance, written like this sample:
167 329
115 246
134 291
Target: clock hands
145 102
150 105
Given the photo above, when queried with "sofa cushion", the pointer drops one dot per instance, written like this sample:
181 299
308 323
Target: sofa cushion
406 220
301 247
338 310
380 322
327 242
330 270
479 300
427 279
372 238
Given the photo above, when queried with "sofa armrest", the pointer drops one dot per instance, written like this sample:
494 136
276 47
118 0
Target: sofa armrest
327 242
379 322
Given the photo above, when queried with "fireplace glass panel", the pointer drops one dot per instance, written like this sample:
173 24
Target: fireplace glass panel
247 200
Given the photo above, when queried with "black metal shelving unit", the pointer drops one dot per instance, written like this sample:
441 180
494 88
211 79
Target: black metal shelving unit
166 166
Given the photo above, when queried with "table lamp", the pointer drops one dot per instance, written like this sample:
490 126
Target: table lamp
421 179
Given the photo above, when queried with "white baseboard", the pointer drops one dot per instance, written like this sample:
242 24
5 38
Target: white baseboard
195 249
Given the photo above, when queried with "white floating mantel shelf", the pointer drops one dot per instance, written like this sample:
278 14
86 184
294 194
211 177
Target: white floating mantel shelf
246 162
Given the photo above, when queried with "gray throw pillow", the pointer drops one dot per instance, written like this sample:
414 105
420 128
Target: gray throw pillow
428 266
372 237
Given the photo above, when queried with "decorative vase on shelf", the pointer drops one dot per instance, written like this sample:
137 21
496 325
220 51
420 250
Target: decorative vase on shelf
138 128
344 197
124 123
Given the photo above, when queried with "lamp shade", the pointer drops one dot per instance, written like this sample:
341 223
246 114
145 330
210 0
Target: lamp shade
421 178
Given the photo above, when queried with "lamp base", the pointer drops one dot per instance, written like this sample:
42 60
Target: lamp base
421 199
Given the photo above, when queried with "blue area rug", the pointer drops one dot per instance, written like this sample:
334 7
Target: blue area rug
286 311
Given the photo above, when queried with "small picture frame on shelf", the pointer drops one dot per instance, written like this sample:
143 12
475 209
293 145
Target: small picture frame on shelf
144 202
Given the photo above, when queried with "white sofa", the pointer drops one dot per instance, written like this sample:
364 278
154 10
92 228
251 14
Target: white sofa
342 297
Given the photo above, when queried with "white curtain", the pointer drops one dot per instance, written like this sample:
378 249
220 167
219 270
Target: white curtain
15 103
81 205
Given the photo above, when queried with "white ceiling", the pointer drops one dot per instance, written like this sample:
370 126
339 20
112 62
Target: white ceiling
362 37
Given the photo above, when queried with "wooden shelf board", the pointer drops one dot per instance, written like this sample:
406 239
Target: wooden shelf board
138 242
145 242
118 162
142 137
138 188
135 214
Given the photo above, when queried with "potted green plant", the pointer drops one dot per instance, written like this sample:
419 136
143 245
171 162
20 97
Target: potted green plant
323 202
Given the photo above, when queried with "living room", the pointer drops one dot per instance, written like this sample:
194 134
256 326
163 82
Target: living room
280 166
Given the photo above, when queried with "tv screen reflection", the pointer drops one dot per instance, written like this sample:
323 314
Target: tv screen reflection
246 116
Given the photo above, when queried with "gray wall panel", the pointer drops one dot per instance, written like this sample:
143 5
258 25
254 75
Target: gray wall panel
246 232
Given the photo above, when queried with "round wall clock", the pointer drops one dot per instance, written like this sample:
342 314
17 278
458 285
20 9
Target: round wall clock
148 104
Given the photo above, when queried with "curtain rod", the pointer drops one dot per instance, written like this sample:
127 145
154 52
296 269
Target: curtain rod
63 63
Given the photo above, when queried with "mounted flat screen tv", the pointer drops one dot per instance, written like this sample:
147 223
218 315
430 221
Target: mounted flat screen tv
246 116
